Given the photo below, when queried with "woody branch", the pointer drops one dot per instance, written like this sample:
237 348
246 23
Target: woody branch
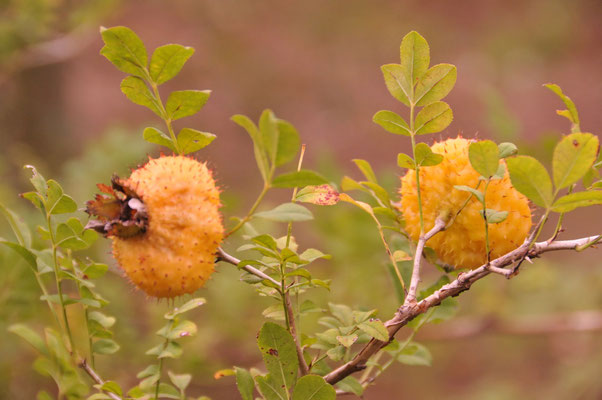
409 311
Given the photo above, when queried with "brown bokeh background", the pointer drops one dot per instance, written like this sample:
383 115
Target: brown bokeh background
316 64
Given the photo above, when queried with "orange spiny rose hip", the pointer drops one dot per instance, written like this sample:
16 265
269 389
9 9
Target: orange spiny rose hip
462 244
170 216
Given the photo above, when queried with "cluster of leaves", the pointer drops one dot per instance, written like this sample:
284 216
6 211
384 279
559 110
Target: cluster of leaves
150 385
124 49
74 287
282 380
574 160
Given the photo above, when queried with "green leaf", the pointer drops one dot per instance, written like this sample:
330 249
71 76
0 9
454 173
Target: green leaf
268 134
530 178
18 226
23 252
58 202
433 118
396 82
153 135
172 350
392 122
348 184
347 340
576 200
67 238
112 387
191 140
35 198
287 212
591 176
375 328
166 391
148 371
405 161
183 328
415 58
104 320
572 114
475 192
95 270
288 142
494 216
279 355
425 156
105 346
37 180
507 149
484 157
124 49
342 312
366 169
323 195
260 154
180 381
336 353
415 354
313 387
189 305
183 103
300 178
167 61
573 157
136 90
435 84
313 254
351 385
30 336
244 382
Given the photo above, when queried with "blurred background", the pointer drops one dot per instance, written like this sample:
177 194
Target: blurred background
316 64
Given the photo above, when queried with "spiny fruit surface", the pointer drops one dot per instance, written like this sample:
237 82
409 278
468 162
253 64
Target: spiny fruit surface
462 244
176 254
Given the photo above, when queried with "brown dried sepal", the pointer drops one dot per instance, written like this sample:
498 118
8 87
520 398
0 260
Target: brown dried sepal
119 212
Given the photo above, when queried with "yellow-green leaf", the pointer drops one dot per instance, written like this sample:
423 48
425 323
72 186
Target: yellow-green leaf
433 118
530 178
435 84
573 157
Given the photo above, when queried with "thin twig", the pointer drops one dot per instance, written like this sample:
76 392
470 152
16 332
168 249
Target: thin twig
96 378
223 256
439 226
408 312
293 331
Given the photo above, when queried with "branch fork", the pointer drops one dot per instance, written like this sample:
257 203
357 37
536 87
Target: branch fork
410 310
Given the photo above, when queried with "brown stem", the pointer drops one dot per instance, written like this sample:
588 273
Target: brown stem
96 378
439 226
408 312
293 331
223 256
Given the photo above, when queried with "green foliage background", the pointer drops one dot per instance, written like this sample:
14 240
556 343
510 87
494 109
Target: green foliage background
317 64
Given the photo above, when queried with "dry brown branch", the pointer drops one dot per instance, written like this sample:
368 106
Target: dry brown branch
96 378
408 312
411 297
293 331
223 256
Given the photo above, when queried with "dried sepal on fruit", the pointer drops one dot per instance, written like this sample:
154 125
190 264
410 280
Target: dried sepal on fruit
462 244
165 224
